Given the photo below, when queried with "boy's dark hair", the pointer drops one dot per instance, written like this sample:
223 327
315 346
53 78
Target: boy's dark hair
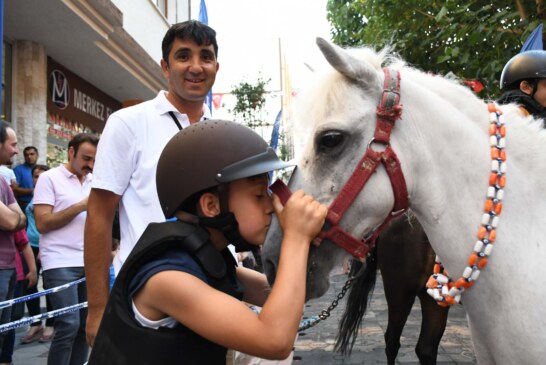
191 29
28 148
39 167
190 204
80 138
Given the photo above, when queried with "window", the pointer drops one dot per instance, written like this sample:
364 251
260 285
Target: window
6 82
162 5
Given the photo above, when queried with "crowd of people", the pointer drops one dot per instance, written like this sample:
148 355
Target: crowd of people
184 187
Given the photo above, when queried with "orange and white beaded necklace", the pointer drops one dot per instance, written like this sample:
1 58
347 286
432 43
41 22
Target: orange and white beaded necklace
440 286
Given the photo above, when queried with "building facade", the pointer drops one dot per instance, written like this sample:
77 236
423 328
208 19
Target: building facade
68 64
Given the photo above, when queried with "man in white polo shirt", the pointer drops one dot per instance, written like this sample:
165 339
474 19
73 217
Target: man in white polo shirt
60 204
128 152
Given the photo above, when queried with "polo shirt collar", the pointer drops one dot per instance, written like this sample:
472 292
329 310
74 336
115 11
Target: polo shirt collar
163 106
69 174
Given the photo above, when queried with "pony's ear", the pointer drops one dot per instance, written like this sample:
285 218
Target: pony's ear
345 63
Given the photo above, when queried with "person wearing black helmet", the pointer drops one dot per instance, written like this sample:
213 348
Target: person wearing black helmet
523 81
177 298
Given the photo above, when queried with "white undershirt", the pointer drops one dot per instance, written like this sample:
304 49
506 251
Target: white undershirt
168 322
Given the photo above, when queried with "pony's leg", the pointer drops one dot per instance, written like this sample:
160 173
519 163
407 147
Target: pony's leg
399 310
405 259
433 324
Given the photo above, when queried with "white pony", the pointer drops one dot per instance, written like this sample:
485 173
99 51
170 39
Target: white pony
443 144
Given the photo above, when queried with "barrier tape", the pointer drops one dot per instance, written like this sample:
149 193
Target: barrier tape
9 303
59 312
39 317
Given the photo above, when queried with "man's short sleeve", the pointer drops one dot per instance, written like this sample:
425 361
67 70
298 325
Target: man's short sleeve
115 160
7 194
44 192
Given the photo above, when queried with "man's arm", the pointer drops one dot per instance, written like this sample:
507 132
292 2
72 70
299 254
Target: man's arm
47 220
97 255
12 217
18 191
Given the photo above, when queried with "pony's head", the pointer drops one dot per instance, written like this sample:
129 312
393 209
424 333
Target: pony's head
333 123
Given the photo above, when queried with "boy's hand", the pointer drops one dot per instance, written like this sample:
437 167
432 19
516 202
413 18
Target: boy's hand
302 216
32 278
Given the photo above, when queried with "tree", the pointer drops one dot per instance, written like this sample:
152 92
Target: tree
250 102
473 39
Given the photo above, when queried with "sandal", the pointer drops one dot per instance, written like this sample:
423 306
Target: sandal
33 334
47 335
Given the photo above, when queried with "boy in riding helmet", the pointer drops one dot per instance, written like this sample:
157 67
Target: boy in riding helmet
177 298
523 81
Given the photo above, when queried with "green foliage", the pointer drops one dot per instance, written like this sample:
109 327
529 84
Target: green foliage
250 102
472 39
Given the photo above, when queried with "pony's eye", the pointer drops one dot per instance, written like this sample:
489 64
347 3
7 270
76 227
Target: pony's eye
330 140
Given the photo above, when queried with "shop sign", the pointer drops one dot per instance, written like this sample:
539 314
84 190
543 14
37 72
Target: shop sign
72 98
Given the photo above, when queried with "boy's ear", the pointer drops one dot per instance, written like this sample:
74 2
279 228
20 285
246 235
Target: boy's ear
526 87
209 204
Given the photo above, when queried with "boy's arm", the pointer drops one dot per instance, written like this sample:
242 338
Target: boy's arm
229 322
97 255
32 275
256 286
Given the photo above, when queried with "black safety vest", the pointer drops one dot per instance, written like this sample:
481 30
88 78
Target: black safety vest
122 340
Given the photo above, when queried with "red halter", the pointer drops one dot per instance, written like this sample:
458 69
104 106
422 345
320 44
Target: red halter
388 111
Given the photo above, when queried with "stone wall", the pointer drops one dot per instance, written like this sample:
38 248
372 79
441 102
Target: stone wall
30 95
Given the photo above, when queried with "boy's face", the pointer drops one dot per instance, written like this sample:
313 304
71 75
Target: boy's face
191 70
540 93
249 200
35 175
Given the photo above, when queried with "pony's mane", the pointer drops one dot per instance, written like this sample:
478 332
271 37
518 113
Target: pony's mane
314 103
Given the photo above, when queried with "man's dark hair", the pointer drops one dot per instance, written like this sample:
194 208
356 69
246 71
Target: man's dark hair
193 30
39 167
28 148
4 131
78 139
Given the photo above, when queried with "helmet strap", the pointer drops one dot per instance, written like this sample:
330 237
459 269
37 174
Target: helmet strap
226 222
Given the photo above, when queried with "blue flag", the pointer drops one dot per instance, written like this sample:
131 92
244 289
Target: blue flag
275 137
534 41
275 133
204 18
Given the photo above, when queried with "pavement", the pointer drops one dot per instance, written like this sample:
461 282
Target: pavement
315 345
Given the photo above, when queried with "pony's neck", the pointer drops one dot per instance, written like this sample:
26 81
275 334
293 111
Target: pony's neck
451 171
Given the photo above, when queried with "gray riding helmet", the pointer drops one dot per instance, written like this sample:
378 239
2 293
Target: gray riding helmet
523 66
207 154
